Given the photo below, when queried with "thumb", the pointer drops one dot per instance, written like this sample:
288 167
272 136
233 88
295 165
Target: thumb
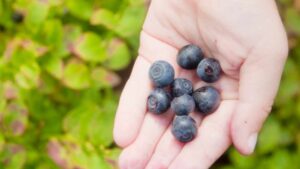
259 80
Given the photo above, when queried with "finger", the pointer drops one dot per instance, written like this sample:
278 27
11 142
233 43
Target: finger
259 80
168 148
211 142
132 106
130 113
138 153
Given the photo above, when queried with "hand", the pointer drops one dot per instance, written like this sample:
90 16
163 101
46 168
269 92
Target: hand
247 37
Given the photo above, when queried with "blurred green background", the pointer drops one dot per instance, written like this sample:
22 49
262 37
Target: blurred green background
62 66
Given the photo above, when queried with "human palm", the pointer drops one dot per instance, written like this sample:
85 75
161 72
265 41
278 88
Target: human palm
248 39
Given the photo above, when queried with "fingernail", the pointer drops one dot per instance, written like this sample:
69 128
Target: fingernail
252 142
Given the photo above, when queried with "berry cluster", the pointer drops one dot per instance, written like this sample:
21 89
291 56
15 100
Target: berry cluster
179 94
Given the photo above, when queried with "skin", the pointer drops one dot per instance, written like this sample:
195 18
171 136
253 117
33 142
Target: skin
247 37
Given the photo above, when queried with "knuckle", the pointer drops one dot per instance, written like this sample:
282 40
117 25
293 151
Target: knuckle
210 158
184 165
120 138
129 161
159 164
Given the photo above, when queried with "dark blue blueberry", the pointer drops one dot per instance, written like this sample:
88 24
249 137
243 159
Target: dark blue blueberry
189 56
209 70
183 105
159 101
17 17
161 73
181 86
207 99
184 128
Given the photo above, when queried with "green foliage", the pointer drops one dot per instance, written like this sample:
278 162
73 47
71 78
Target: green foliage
57 80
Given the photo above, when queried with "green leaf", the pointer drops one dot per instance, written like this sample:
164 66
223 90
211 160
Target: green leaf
36 13
288 87
102 122
52 35
112 156
293 20
114 5
131 22
20 57
76 122
298 109
14 120
55 2
118 55
12 157
28 76
282 159
241 161
71 33
105 78
2 103
104 17
90 122
54 66
95 161
69 153
90 48
51 32
76 75
285 2
113 153
2 142
269 138
80 9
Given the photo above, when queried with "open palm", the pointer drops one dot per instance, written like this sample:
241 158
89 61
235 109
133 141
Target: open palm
248 39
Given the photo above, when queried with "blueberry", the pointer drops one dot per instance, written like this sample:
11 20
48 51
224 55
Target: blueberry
207 99
209 70
184 128
17 17
189 56
181 86
159 101
183 105
161 73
